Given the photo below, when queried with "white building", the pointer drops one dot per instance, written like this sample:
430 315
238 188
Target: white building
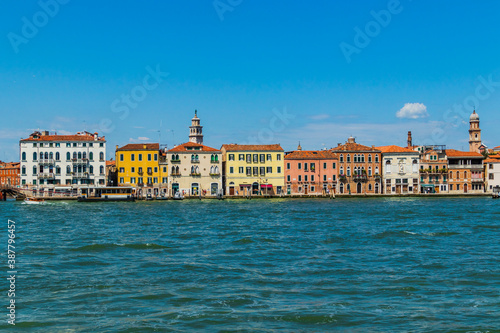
55 162
492 174
400 170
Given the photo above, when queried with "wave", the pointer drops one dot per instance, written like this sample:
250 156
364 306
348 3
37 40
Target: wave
110 246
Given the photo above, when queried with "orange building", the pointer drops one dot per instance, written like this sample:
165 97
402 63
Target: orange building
311 172
466 171
359 168
9 174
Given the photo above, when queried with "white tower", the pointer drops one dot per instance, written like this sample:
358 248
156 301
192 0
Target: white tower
195 130
474 133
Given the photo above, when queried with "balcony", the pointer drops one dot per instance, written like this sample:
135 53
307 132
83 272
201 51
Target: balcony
140 184
149 184
140 172
80 175
150 172
50 175
175 160
470 166
46 161
195 161
477 180
80 160
360 178
343 178
215 174
194 174
214 161
175 174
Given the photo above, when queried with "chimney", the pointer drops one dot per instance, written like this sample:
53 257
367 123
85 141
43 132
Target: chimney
44 133
351 140
338 144
144 146
410 141
116 147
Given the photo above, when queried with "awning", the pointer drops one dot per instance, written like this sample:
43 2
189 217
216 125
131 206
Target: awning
428 185
245 185
266 186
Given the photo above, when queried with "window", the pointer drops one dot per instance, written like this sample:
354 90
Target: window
334 165
288 178
121 157
249 158
255 171
241 157
23 170
132 169
300 178
388 166
305 166
156 169
139 156
299 166
156 157
132 180
149 157
324 165
324 178
348 158
278 169
132 157
278 157
341 158
34 156
121 180
231 157
34 144
240 170
305 178
231 170
312 178
369 158
91 169
249 171
68 144
333 177
269 158
255 158
155 180
262 171
101 144
288 166
23 156
269 169
376 158
122 170
74 144
262 158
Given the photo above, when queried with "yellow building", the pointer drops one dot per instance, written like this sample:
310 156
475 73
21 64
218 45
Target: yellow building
253 169
140 165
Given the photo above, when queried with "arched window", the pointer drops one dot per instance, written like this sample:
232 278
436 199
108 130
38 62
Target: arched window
84 155
415 166
173 169
58 156
24 156
68 169
212 159
216 158
348 170
376 158
91 156
465 174
217 170
23 170
51 155
341 158
58 170
341 170
370 158
177 169
75 169
68 156
74 155
34 156
101 156
192 169
363 158
355 158
79 155
34 170
91 169
46 156
458 175
101 170
388 166
348 158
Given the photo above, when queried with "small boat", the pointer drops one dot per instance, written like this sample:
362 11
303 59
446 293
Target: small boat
178 196
34 201
149 197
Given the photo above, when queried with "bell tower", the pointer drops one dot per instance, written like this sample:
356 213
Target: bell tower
474 133
195 130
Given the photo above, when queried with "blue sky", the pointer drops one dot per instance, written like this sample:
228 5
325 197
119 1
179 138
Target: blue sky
257 72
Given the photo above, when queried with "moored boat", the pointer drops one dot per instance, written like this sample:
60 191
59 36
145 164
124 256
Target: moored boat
178 196
111 193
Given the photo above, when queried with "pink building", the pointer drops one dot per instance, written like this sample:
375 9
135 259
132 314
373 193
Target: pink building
311 172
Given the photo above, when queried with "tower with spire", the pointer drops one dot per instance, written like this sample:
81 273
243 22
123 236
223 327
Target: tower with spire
196 130
474 133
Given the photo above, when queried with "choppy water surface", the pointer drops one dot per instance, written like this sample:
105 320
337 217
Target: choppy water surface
359 265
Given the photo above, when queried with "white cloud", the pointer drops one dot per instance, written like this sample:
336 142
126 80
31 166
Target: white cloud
139 139
413 111
320 116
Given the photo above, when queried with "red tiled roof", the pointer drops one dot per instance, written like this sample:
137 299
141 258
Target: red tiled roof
349 146
139 146
311 155
76 137
395 149
497 147
236 147
185 146
457 153
110 163
492 160
10 165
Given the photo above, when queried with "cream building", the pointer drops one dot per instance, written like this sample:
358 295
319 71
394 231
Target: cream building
195 169
400 170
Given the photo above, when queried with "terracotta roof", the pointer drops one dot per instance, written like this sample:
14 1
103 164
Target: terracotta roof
185 146
77 137
139 146
349 146
236 147
10 165
497 147
311 155
396 149
457 153
110 163
492 160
